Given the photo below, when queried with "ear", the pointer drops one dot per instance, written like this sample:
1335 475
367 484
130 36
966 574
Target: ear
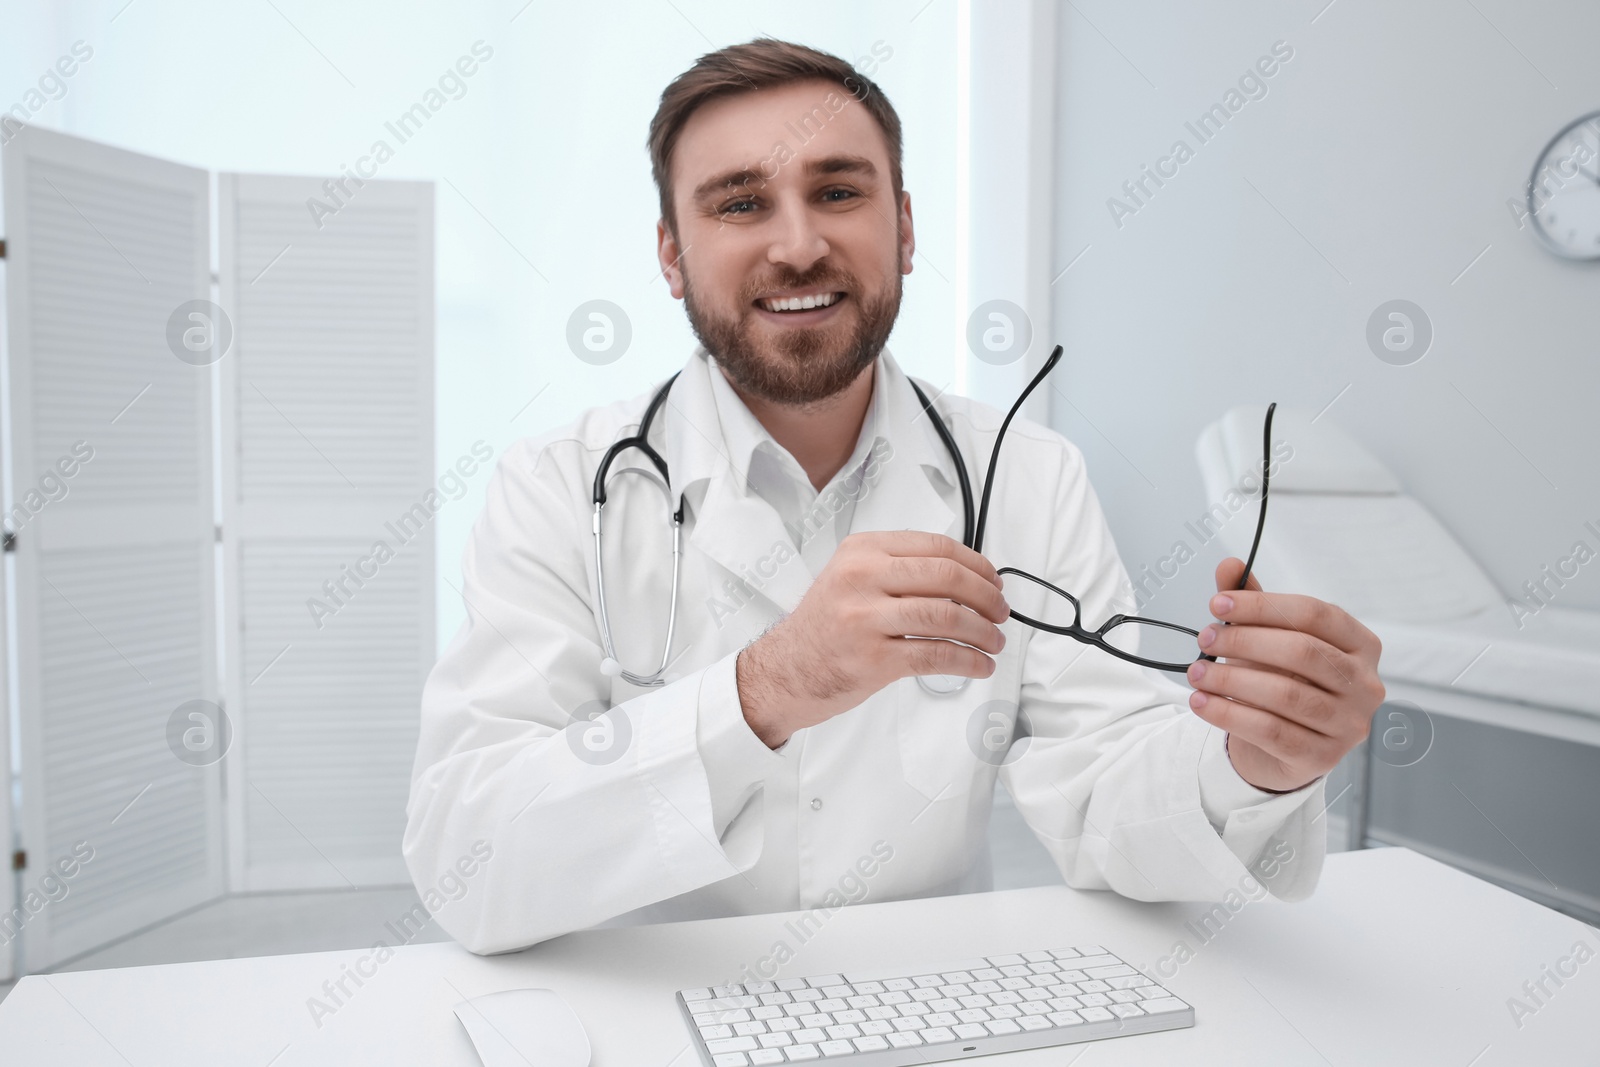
670 258
908 237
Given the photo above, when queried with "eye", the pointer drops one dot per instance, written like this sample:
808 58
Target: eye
846 192
732 207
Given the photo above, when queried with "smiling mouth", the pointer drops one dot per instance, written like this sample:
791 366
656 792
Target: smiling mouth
794 304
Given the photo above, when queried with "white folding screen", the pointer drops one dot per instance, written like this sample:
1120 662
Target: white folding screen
113 511
327 417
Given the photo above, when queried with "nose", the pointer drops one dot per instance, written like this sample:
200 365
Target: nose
797 242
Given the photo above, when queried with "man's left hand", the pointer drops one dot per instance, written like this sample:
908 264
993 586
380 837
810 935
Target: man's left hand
1299 686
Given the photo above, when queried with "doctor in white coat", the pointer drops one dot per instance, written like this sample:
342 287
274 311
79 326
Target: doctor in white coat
792 759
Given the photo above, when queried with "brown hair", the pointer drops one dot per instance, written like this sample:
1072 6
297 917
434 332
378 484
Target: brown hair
763 63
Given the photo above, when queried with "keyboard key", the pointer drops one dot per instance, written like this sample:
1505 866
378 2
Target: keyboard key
775 1040
842 991
987 974
973 1015
759 987
842 1031
775 999
1064 953
913 1023
971 1030
977 1000
702 993
789 985
904 1040
1004 1011
1065 1018
866 1000
942 1018
1125 996
1037 957
796 1053
1095 961
1006 960
925 980
1161 1005
870 1044
1002 1026
957 976
836 1048
731 1059
830 1004
731 1044
1126 1011
762 1056
1109 972
733 990
985 986
869 987
1096 1015
810 1035
783 1025
712 1033
850 1016
937 1035
821 980
1033 1022
754 1026
1095 1000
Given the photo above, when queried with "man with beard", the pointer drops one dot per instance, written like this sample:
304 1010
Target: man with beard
788 756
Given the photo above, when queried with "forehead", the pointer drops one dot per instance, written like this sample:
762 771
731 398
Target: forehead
791 122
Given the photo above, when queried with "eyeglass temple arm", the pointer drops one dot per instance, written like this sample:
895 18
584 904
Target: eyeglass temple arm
1261 519
994 457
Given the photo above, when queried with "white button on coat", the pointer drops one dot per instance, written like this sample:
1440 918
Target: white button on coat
669 807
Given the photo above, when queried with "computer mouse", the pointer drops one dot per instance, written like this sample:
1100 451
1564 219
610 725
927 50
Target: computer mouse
524 1028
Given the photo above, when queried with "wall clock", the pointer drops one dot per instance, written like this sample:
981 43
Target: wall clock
1564 192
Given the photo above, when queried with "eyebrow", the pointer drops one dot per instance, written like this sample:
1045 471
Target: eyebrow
826 165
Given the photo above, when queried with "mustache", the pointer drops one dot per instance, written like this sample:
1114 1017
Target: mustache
843 283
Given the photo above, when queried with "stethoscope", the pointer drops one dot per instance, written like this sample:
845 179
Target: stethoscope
936 684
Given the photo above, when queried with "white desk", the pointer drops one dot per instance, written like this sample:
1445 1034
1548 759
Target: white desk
1395 960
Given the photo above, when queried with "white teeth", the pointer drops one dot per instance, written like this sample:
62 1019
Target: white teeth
800 303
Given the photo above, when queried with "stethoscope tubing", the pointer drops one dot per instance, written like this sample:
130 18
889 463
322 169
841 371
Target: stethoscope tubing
937 685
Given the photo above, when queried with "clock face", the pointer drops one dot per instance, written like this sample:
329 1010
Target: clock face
1564 192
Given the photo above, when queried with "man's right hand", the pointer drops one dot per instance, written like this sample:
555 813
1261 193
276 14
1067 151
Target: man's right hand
886 606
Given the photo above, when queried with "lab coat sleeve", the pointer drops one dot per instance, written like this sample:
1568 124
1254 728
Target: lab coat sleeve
1126 788
581 819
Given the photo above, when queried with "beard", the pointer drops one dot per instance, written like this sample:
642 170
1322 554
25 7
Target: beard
804 364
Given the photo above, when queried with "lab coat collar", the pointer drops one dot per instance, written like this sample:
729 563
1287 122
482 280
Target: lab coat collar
739 530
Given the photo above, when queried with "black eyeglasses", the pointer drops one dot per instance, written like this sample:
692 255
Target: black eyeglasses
1165 646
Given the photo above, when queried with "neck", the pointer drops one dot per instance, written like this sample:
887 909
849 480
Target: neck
819 435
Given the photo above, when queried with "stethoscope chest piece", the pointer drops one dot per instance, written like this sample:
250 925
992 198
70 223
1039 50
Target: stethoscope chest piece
941 685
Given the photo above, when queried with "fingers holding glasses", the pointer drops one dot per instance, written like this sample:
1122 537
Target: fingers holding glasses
1288 653
1268 750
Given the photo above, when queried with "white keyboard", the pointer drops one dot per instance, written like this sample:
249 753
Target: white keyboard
972 1008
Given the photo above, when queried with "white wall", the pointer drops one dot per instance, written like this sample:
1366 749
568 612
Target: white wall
1391 142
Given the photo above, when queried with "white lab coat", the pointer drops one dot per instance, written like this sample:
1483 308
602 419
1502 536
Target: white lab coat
669 807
